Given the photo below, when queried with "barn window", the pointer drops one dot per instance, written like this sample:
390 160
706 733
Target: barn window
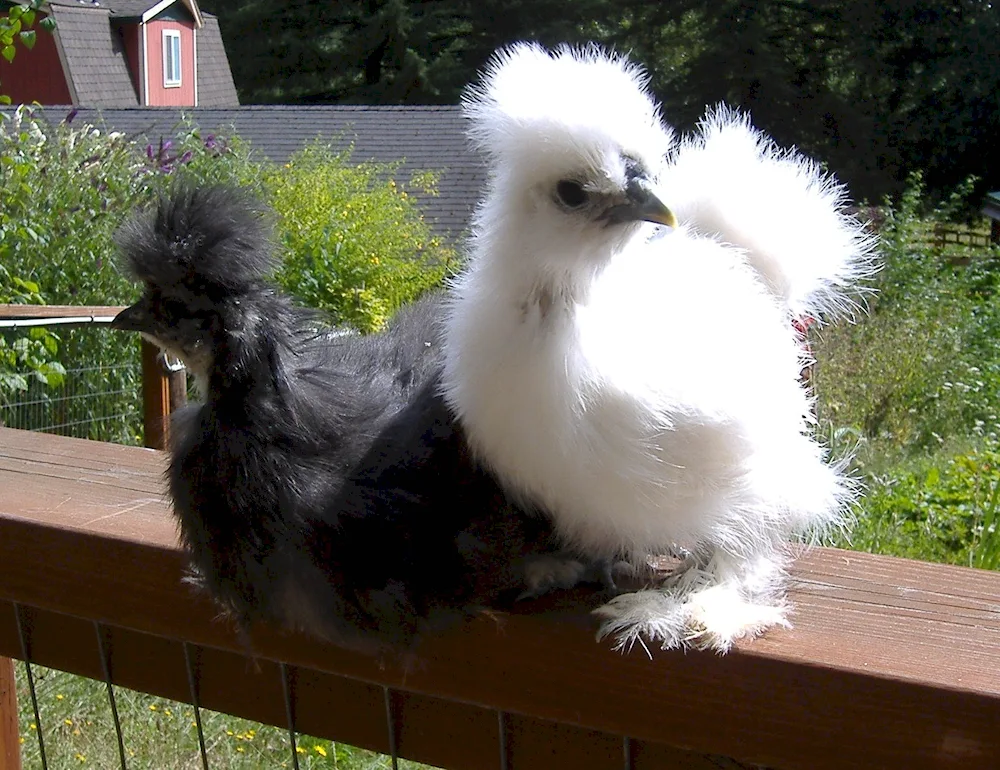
171 58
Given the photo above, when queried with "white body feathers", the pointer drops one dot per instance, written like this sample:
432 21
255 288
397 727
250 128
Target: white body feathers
643 388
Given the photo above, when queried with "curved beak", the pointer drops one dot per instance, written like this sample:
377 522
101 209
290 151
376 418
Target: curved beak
134 318
641 205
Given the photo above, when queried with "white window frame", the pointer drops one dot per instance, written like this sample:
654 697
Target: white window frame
170 35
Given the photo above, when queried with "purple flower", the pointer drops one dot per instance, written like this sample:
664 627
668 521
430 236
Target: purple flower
70 115
185 157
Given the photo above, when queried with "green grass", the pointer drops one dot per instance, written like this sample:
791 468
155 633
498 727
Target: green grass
160 734
913 390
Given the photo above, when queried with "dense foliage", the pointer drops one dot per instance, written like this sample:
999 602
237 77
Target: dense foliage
17 29
352 240
914 387
30 355
354 243
876 90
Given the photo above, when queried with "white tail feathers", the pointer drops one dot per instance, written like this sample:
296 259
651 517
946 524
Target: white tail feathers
731 181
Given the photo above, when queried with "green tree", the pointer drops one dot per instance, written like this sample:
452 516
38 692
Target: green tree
16 25
876 90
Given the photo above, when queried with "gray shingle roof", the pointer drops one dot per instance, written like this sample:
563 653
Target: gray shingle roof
94 56
425 138
119 9
128 9
215 79
96 60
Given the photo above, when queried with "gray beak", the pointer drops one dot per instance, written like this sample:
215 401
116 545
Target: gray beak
133 319
641 205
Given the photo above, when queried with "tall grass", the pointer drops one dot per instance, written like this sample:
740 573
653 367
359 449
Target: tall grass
915 386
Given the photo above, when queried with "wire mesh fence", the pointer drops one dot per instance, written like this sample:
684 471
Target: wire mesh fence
157 733
98 397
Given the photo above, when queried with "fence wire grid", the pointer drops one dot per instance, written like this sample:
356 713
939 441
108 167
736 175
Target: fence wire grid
98 398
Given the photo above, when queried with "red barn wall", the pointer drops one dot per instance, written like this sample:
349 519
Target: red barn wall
159 96
131 35
35 75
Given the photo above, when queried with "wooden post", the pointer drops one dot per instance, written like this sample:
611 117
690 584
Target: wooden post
155 398
10 744
178 389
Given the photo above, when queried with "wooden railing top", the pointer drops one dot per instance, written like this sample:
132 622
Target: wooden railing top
58 311
891 663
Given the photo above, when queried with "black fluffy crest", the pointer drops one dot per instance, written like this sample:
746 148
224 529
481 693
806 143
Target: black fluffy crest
215 240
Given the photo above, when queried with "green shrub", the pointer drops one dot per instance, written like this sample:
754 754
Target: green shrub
945 510
354 243
64 190
353 240
922 370
916 385
29 354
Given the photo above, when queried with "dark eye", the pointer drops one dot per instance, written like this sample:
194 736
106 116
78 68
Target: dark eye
571 194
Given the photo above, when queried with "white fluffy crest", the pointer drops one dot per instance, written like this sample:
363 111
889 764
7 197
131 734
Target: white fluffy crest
528 97
732 181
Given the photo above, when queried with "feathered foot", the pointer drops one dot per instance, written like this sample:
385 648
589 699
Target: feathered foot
559 571
702 606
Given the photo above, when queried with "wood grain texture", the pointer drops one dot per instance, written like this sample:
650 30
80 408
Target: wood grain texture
155 398
10 746
58 311
891 663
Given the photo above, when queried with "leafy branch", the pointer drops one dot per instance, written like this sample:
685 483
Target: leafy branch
16 25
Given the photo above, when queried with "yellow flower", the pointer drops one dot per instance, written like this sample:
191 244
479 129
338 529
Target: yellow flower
80 757
240 749
229 732
152 707
68 722
320 750
60 696
300 750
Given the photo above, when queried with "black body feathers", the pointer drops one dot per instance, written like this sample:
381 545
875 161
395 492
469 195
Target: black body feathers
322 484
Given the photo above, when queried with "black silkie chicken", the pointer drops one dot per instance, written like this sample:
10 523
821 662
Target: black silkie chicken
322 483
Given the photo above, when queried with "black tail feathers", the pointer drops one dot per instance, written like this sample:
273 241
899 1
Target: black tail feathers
214 240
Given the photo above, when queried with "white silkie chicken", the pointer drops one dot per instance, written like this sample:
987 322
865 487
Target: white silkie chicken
643 386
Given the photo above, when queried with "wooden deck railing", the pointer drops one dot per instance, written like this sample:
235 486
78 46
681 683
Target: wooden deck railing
891 663
163 391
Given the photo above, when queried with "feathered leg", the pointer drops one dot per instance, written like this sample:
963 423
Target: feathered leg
709 602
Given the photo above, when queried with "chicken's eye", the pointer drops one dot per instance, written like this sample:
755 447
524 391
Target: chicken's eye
571 194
